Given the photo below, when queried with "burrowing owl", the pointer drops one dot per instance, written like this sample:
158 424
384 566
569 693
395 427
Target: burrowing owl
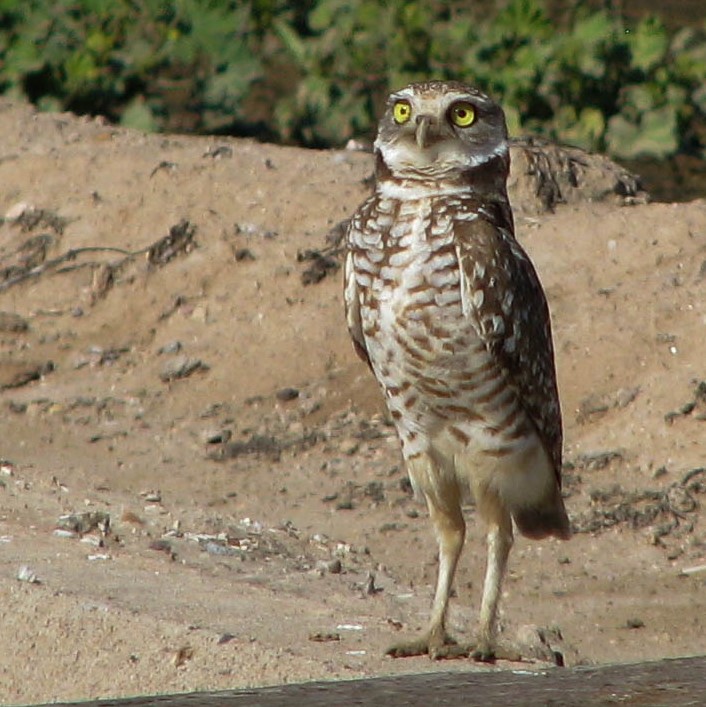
446 308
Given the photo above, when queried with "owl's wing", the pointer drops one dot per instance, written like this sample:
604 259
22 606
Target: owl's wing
503 296
351 297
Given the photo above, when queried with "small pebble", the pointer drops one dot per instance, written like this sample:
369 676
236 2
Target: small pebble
26 574
242 254
152 496
61 533
216 436
349 446
213 548
286 394
18 210
333 566
85 522
171 348
181 367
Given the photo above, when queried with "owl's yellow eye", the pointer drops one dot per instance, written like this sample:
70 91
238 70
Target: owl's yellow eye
402 112
462 114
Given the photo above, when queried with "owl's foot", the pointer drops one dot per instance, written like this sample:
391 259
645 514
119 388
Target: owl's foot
443 647
485 652
437 645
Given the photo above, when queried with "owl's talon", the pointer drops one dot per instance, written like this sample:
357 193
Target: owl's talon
484 653
436 647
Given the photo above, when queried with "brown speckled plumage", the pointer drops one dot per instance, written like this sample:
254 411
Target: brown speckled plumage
448 311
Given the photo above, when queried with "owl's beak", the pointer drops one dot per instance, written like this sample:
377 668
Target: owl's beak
422 133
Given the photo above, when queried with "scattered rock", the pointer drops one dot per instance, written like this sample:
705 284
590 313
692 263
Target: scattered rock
102 281
686 571
243 254
287 394
17 210
7 468
181 367
333 566
82 523
625 396
349 446
152 496
221 548
540 643
61 533
26 574
170 348
216 436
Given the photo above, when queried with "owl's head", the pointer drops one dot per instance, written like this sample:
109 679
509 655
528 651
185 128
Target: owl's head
440 130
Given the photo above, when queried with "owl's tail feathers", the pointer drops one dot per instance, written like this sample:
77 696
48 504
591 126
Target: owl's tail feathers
537 522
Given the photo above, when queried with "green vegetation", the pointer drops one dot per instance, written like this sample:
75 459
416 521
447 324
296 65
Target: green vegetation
316 72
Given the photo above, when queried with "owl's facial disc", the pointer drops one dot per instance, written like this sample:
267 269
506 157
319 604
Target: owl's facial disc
440 130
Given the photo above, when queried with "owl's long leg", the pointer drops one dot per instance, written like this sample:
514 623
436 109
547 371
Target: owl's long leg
499 540
443 502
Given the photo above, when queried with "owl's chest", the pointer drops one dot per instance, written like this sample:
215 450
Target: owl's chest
410 282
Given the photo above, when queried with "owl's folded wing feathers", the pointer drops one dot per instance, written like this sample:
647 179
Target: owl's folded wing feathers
504 298
351 299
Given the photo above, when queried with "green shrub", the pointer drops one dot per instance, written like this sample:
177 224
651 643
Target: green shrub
134 61
598 84
316 72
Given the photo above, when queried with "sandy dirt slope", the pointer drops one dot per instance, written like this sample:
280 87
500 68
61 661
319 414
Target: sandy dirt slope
164 368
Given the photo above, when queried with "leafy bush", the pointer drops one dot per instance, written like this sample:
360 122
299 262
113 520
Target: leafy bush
132 61
316 72
598 84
